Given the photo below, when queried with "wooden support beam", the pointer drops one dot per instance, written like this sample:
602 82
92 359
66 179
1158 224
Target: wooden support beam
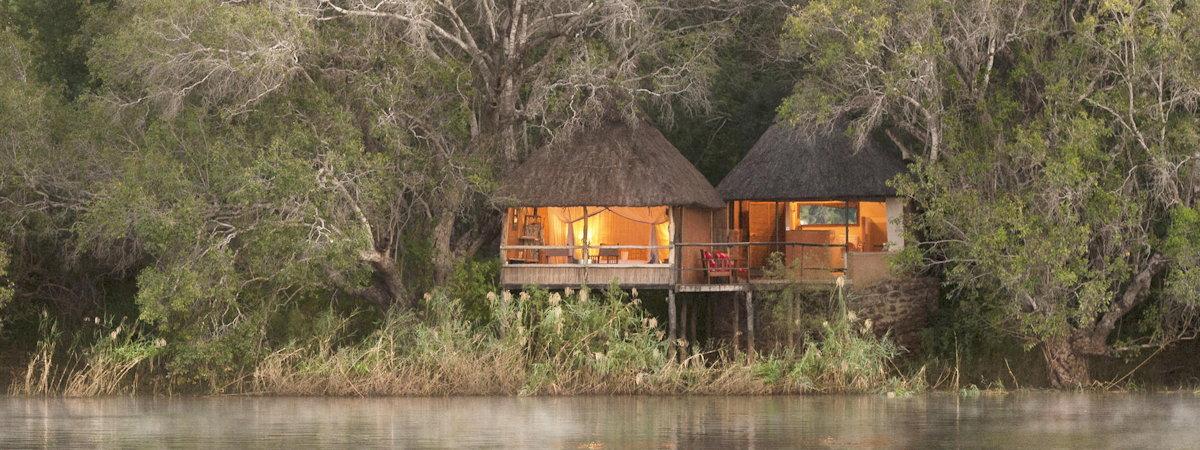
693 333
750 324
671 324
684 332
712 318
737 326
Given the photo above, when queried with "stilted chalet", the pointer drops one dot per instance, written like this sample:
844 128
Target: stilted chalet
814 200
619 203
609 204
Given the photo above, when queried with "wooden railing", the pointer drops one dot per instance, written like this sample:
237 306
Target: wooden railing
593 254
749 260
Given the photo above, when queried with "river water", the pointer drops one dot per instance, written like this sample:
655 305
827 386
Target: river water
1022 420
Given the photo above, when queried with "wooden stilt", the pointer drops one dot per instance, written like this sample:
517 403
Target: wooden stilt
712 319
693 333
683 324
671 324
737 326
795 325
750 324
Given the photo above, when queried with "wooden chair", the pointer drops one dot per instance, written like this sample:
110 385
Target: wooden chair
564 253
530 235
720 265
608 255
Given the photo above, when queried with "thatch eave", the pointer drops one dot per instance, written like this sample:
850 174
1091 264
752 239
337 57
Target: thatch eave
789 165
611 164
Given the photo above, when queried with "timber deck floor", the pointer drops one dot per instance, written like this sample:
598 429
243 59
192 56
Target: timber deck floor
753 285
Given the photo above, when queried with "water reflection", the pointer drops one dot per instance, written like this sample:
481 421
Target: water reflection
1019 420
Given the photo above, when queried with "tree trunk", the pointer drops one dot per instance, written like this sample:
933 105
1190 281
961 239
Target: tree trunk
443 252
1067 366
387 287
506 120
445 220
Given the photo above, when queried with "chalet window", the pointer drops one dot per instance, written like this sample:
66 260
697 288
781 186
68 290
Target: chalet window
594 234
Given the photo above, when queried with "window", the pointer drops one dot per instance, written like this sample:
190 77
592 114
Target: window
611 235
862 225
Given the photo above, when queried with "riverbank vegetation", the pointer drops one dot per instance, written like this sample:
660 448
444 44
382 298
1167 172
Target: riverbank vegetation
533 343
298 197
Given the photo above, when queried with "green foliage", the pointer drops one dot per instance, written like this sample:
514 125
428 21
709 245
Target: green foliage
1026 246
748 84
471 282
847 354
797 311
541 342
223 57
844 355
1049 207
58 35
536 342
1182 245
6 292
103 357
236 224
576 333
971 391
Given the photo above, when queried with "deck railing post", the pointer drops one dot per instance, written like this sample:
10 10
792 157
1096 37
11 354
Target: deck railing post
676 263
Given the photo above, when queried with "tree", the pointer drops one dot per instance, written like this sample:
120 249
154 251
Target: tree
55 32
540 68
47 164
1053 154
534 65
463 88
5 289
749 83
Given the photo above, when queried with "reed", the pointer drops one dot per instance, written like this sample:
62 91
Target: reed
112 364
542 343
534 343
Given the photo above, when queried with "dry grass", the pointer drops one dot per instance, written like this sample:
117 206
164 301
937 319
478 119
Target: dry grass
551 344
111 366
540 343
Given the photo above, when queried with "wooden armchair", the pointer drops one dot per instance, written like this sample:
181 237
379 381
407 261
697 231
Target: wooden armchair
608 255
720 265
551 253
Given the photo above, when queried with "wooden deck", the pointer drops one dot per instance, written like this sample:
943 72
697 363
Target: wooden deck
661 276
753 285
863 269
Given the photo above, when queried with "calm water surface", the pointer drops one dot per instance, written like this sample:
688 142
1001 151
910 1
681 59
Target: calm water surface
1015 421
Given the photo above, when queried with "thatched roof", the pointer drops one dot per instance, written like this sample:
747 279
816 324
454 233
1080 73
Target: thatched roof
786 164
612 164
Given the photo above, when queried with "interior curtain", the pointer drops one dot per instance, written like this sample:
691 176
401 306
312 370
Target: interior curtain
651 215
569 215
567 219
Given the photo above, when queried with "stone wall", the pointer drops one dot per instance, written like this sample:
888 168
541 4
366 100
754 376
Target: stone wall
899 305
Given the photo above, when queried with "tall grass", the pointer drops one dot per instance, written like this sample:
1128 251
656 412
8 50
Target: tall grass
534 343
574 342
847 357
537 343
110 365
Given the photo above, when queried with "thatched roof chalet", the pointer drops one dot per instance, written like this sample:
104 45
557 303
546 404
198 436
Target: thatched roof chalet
786 164
611 164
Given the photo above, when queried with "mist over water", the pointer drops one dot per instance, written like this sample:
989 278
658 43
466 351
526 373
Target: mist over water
1024 420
